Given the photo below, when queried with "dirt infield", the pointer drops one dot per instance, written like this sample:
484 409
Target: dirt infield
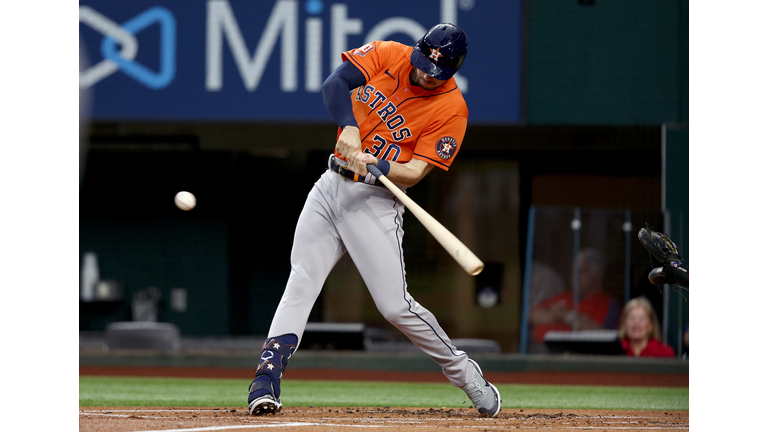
313 419
128 419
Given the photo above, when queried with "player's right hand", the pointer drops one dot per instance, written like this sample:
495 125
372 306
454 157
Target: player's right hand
358 163
349 142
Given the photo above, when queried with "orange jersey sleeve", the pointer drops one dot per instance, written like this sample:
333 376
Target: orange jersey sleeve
373 57
439 144
399 121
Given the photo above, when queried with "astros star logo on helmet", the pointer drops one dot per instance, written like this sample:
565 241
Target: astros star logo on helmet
435 54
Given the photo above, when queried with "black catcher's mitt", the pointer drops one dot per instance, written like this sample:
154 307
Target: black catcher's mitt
658 244
673 271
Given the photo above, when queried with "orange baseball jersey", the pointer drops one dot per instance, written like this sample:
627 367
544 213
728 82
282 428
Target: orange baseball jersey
399 121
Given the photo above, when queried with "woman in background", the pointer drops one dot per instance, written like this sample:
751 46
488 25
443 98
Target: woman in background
639 331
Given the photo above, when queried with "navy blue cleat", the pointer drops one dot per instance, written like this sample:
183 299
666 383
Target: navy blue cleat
262 398
264 391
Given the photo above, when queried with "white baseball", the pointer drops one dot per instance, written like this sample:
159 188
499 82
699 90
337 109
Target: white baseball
185 200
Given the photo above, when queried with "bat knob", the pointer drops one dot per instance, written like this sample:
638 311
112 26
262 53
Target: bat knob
373 169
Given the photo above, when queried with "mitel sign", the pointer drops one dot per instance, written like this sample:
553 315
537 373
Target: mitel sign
266 60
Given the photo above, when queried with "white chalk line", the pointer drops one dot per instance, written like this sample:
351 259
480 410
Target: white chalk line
416 423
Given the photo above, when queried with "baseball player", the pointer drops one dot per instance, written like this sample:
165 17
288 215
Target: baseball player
399 108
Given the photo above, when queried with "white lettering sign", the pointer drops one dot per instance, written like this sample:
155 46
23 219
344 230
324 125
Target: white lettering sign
283 23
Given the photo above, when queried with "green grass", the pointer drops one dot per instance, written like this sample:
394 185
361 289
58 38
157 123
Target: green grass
181 392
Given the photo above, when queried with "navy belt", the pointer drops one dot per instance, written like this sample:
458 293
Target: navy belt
345 172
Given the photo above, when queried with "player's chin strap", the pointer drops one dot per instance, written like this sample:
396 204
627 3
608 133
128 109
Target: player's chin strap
274 359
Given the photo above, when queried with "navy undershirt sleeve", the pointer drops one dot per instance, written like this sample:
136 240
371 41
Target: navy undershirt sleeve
336 90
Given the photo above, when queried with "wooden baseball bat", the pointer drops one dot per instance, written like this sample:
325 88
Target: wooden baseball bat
466 259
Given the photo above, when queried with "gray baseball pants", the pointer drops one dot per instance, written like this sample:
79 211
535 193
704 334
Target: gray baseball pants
340 216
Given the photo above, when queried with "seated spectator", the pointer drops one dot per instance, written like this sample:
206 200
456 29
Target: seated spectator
639 331
545 283
597 310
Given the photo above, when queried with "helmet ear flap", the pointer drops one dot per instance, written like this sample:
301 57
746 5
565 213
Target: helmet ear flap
460 60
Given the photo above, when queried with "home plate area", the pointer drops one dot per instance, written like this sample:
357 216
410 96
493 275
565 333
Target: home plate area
311 419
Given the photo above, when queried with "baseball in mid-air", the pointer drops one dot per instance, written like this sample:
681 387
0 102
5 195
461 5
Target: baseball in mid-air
185 200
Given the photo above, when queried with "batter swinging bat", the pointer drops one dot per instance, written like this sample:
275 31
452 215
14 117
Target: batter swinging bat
466 259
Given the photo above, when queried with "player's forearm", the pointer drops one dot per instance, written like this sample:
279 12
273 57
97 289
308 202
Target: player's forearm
338 103
336 93
406 174
409 173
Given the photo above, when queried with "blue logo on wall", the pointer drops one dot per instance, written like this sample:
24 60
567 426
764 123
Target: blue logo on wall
123 59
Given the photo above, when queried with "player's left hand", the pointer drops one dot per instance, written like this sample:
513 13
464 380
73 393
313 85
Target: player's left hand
348 142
